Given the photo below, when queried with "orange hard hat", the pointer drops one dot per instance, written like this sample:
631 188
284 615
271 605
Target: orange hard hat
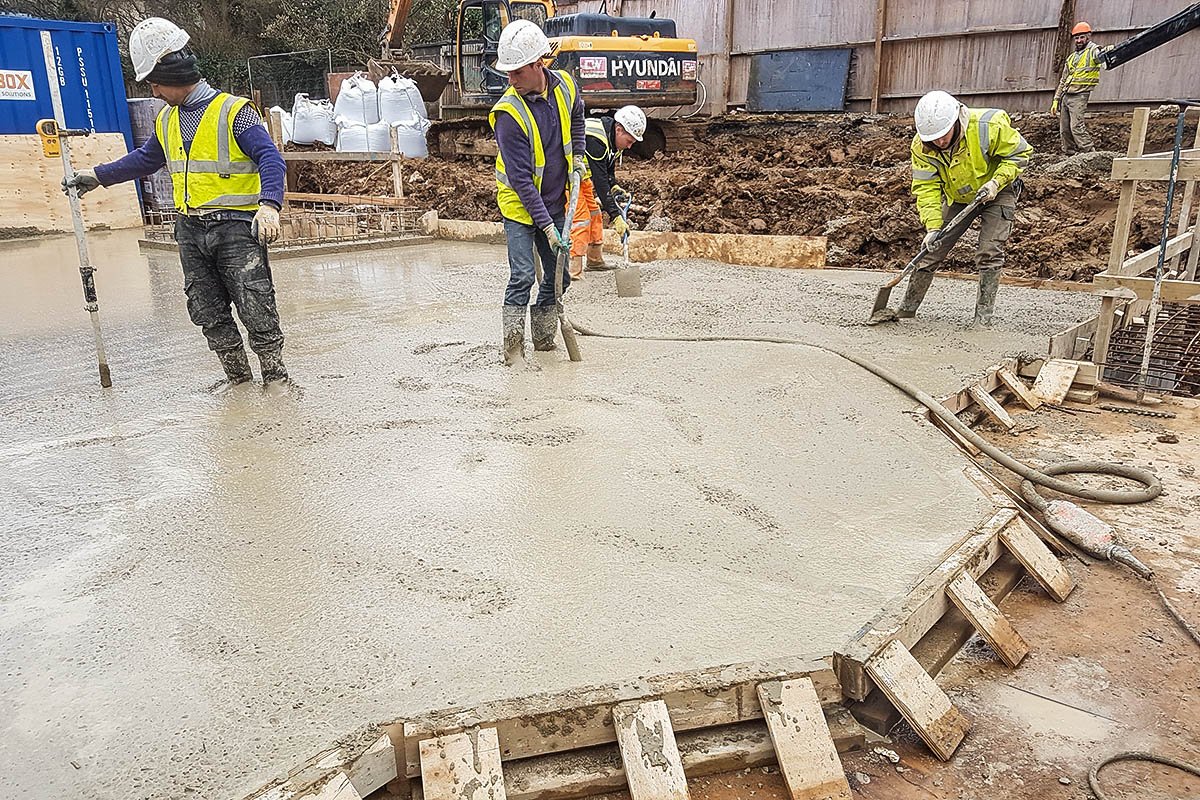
1081 27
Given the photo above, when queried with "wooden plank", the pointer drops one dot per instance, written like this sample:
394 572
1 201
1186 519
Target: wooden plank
919 700
344 199
908 619
374 768
954 436
578 718
1063 343
653 768
1054 381
1088 374
880 31
1185 210
1125 202
338 787
1135 266
1019 389
803 745
1032 552
1172 291
991 407
462 766
334 155
1154 169
986 618
1105 321
1084 396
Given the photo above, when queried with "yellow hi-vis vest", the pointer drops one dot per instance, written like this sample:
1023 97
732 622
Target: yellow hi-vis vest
512 103
1082 71
594 128
214 173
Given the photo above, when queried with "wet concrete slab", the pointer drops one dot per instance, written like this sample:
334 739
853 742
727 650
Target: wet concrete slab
202 590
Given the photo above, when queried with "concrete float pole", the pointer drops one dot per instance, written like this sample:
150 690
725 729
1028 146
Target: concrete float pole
86 270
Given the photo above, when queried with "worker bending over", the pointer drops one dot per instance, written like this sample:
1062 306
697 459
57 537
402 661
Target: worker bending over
228 180
1080 75
607 138
540 141
959 154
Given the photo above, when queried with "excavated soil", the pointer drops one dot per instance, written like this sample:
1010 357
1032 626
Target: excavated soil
842 176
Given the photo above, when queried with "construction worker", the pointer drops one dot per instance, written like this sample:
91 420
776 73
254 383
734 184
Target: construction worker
228 180
1080 75
607 138
960 154
540 141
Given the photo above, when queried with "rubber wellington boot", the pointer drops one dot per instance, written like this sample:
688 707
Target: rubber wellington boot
595 258
985 298
543 322
273 370
918 284
576 268
236 366
513 342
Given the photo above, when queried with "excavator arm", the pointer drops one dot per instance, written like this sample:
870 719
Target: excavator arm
397 17
1152 37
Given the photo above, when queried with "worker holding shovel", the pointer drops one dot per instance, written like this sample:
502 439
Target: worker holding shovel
228 180
607 138
540 141
961 154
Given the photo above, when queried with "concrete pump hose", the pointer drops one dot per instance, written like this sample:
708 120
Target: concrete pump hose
1133 755
1151 486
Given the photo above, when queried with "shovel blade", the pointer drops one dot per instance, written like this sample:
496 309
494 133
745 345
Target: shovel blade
629 282
881 299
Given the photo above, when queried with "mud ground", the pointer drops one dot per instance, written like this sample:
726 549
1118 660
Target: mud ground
843 176
202 590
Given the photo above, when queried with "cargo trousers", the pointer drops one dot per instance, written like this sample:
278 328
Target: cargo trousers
224 265
995 226
1071 125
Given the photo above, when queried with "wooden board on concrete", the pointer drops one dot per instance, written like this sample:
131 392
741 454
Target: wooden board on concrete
1019 389
462 766
986 618
32 198
796 252
338 787
1054 381
1033 554
1083 396
803 745
919 700
990 407
653 768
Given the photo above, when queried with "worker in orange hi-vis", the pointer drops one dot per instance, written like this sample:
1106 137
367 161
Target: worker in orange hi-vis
599 192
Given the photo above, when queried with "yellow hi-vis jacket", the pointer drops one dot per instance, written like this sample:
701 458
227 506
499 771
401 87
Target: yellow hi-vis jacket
989 148
512 103
595 129
214 173
1081 73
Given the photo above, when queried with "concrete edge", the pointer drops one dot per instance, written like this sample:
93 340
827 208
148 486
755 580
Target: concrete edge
300 251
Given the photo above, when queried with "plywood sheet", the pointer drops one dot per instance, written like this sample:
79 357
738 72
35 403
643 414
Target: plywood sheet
805 750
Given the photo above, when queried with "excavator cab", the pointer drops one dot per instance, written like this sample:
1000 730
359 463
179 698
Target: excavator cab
478 37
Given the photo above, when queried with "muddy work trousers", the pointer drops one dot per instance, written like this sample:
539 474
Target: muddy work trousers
526 246
588 226
995 225
1071 125
222 265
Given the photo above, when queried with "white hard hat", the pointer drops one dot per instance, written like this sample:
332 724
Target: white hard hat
936 114
633 120
150 40
521 42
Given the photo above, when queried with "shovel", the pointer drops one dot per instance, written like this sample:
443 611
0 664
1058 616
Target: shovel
881 313
629 278
560 266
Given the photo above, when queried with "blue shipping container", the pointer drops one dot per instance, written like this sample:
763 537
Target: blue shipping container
90 80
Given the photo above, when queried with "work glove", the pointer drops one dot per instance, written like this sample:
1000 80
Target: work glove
84 181
1054 106
931 243
620 226
620 194
988 192
554 236
265 226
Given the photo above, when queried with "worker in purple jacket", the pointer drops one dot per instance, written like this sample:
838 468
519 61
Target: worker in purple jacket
540 140
228 180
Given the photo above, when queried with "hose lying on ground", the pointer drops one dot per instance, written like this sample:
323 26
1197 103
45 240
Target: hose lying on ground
1151 486
1134 755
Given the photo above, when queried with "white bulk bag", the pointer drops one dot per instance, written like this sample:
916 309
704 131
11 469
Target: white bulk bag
351 136
379 139
285 121
410 139
358 100
312 121
400 100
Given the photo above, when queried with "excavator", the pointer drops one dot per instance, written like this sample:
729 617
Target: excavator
615 60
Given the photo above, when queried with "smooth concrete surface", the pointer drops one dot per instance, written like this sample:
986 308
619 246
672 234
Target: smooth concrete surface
202 590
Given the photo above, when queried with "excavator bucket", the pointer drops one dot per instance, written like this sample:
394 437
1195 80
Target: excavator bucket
429 77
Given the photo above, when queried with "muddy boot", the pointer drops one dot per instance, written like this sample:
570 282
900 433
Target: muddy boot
513 337
273 370
595 258
985 299
543 322
576 268
918 284
236 366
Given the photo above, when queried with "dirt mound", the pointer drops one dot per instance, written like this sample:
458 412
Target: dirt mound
842 176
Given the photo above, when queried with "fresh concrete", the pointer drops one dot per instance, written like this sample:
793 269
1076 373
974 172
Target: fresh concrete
200 591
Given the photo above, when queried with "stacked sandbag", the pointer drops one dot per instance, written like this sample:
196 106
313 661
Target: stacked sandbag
285 122
357 101
401 105
312 121
354 138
